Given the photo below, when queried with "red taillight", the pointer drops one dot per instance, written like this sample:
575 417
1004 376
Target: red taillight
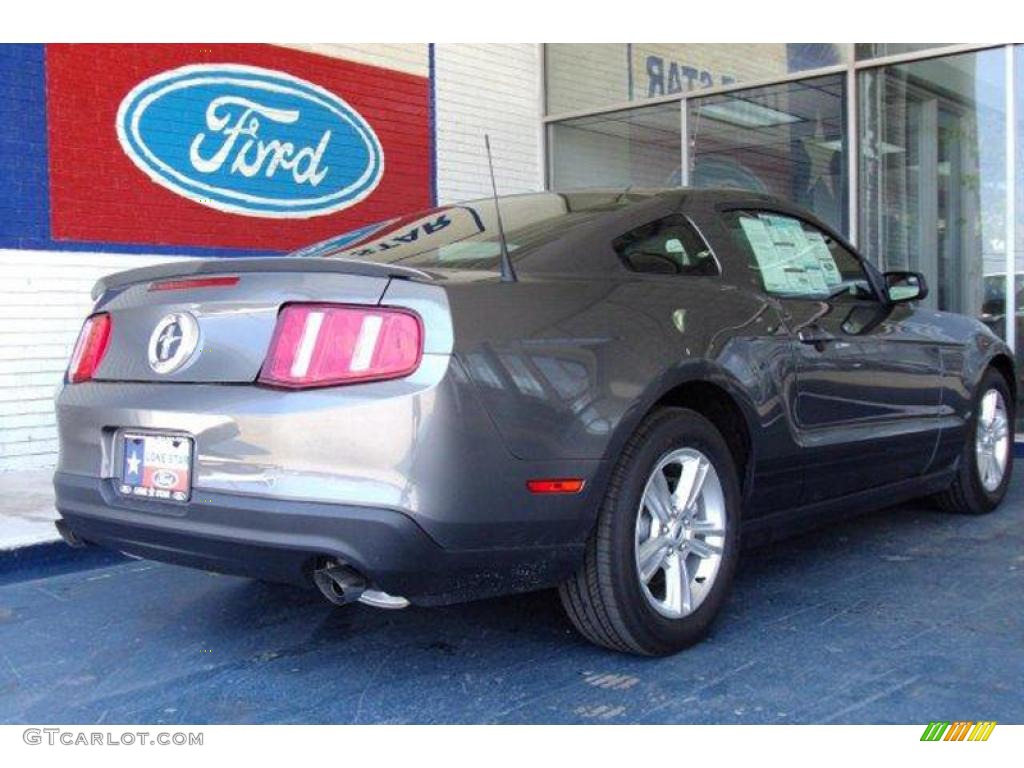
90 348
317 345
556 485
188 283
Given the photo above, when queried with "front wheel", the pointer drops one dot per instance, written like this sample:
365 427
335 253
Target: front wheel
987 458
660 561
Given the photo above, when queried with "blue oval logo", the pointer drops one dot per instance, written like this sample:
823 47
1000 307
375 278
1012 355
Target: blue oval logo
250 141
165 478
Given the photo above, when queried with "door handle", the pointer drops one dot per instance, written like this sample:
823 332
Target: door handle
816 335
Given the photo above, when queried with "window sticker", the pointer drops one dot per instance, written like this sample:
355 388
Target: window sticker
792 260
803 269
820 250
773 270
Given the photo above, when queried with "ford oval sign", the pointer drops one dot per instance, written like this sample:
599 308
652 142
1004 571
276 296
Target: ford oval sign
256 141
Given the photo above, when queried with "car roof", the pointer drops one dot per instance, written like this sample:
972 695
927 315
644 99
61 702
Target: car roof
685 197
710 195
713 195
550 231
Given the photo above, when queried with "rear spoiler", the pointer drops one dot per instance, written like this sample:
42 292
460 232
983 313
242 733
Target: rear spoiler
187 268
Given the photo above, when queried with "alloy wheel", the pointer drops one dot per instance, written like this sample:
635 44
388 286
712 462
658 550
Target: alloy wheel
680 532
992 440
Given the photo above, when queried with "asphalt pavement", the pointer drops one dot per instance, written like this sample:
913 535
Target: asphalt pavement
901 616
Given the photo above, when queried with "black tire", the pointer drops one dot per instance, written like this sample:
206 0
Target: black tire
604 599
967 495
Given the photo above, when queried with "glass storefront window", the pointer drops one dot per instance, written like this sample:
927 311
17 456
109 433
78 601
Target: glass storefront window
590 76
1018 102
636 147
787 139
1018 251
933 177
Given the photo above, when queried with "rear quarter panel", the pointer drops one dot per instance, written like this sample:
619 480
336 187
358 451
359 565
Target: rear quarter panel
567 368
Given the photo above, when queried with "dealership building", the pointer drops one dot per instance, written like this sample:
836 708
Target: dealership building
118 156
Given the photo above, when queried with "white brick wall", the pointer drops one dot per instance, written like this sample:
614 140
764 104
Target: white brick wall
44 295
488 88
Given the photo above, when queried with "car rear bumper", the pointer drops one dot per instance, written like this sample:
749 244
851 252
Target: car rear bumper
407 481
286 540
422 447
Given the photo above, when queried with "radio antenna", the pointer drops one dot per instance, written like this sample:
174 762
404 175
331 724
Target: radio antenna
508 273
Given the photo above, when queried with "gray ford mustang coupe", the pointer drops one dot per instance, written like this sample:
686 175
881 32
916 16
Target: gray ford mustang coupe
604 394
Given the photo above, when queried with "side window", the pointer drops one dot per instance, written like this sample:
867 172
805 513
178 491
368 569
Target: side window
795 259
669 246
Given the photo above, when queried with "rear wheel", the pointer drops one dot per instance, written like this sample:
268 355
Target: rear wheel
660 561
987 459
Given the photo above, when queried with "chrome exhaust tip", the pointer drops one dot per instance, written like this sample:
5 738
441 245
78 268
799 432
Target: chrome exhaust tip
378 599
342 584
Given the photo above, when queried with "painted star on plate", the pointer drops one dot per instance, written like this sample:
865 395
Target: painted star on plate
133 464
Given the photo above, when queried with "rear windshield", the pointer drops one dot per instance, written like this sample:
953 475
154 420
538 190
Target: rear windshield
466 236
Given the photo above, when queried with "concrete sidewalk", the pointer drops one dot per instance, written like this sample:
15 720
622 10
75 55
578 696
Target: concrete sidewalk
26 512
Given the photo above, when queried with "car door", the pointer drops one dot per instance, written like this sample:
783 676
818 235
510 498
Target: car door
865 409
737 331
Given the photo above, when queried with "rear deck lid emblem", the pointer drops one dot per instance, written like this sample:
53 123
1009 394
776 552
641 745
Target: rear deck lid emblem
173 342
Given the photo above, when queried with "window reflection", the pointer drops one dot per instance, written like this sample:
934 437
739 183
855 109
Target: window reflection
1018 97
786 139
933 172
636 147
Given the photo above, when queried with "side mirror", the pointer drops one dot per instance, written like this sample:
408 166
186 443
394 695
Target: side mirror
901 287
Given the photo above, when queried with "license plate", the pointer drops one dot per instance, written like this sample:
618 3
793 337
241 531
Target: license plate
156 466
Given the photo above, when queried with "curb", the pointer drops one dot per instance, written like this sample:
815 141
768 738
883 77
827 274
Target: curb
51 558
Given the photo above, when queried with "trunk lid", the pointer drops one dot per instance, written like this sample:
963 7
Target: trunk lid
235 323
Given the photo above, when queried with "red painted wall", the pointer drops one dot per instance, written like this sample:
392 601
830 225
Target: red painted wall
98 195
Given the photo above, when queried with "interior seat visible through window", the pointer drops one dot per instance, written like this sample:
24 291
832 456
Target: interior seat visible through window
670 246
